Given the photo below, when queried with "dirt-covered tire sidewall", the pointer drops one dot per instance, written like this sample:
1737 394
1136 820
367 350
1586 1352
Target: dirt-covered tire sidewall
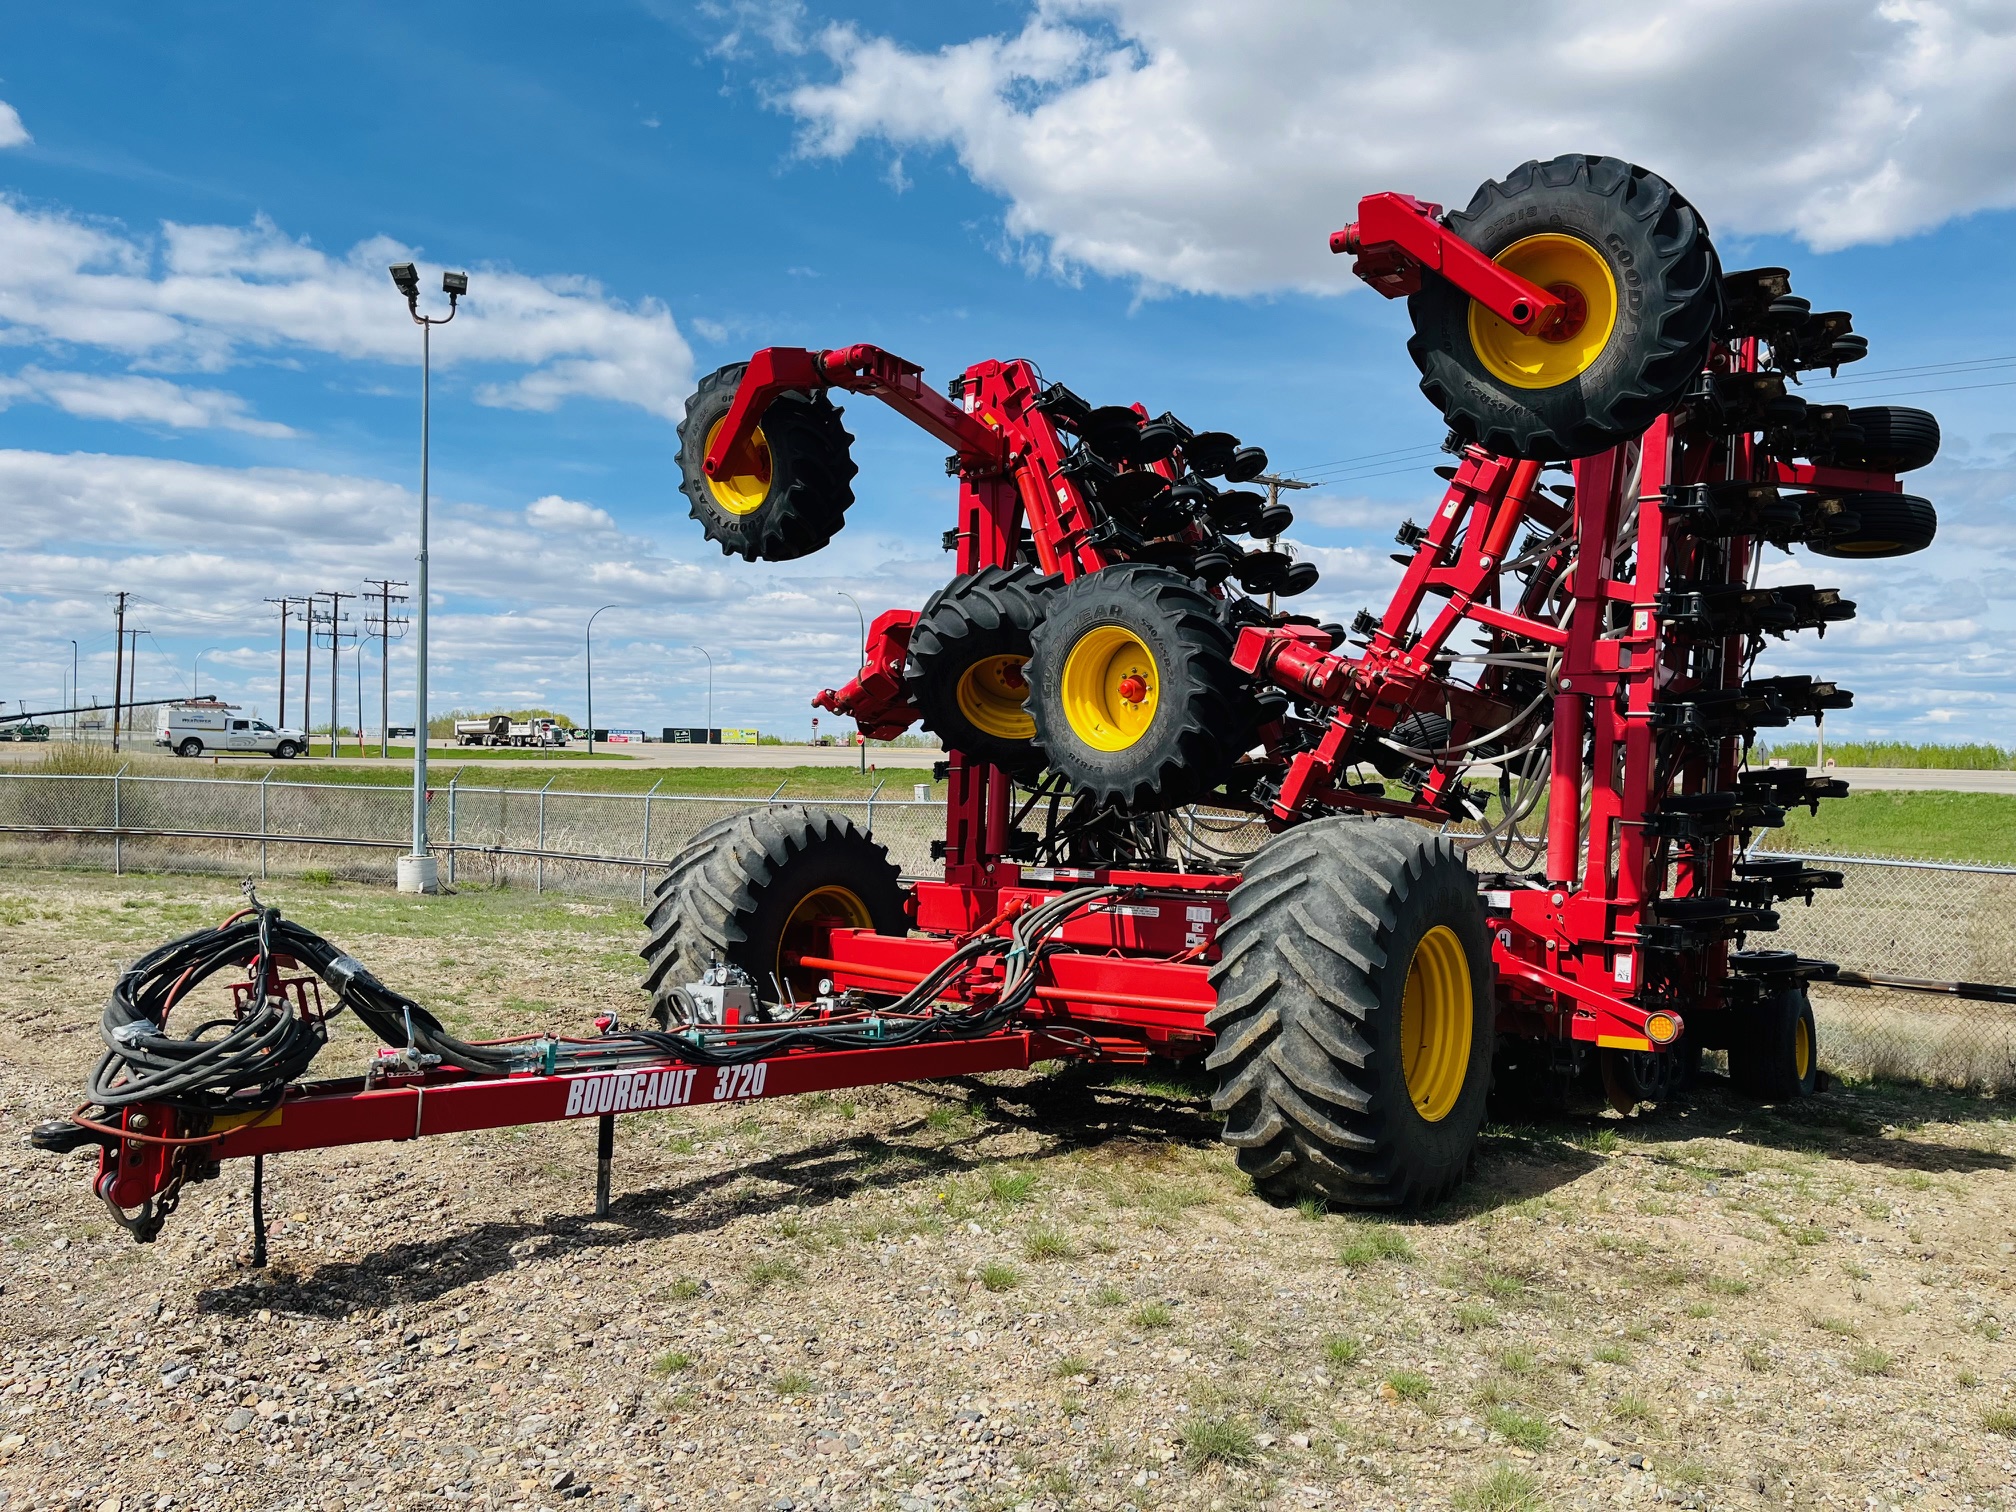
1667 281
812 472
1203 710
735 887
1311 985
992 612
1440 1150
1763 1059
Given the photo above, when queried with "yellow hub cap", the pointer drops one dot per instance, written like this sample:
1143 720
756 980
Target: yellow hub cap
808 932
1802 1047
1110 686
1435 1010
991 695
1569 345
747 484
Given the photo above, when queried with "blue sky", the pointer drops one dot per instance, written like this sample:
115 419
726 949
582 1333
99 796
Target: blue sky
211 387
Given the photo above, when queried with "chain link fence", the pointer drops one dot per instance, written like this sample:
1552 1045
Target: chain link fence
1893 917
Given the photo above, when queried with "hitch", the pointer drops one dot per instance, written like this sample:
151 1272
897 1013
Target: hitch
1396 236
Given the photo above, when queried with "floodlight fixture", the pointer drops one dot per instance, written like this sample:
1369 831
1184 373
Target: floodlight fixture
406 278
454 284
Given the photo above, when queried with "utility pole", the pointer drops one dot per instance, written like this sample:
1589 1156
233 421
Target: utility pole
133 674
307 674
386 599
118 662
281 716
336 634
1274 486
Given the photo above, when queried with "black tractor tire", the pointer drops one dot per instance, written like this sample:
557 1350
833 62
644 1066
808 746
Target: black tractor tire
1774 1048
1894 439
1664 284
1319 997
190 747
967 669
747 889
664 894
1134 695
1885 525
802 502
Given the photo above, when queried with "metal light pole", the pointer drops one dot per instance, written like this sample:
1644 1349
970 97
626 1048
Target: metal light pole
194 665
73 692
420 872
860 739
710 692
588 640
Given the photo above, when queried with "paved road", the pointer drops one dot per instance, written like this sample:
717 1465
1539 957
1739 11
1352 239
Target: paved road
1924 779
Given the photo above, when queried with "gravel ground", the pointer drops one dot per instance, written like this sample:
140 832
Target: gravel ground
1042 1291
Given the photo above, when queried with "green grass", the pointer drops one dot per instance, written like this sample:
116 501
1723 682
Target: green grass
1371 1243
1153 1315
795 1383
1524 1429
1501 1489
671 1362
771 1270
1218 1441
1979 827
1410 1385
1473 1316
609 774
1340 1349
1612 1354
1895 753
2000 1420
1011 1186
1630 1408
1048 1244
1108 1296
1871 1361
1069 1366
997 1277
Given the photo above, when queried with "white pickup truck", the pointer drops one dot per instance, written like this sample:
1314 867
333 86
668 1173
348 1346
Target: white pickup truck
190 729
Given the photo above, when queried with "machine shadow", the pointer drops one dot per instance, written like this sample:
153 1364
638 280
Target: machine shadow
1079 1110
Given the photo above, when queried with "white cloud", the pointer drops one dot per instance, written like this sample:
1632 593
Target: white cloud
207 297
556 513
201 547
137 400
1195 145
12 132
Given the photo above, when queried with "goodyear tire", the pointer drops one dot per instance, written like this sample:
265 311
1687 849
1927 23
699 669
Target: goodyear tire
1354 1020
967 671
1894 439
788 496
1645 295
1135 698
1774 1051
1883 525
760 889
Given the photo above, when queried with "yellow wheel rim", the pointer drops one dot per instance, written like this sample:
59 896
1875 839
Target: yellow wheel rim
1435 1009
1802 1047
1550 356
992 694
808 931
742 493
1111 686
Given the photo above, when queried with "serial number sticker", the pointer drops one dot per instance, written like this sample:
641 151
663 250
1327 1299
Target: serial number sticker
638 1091
1137 910
1199 915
